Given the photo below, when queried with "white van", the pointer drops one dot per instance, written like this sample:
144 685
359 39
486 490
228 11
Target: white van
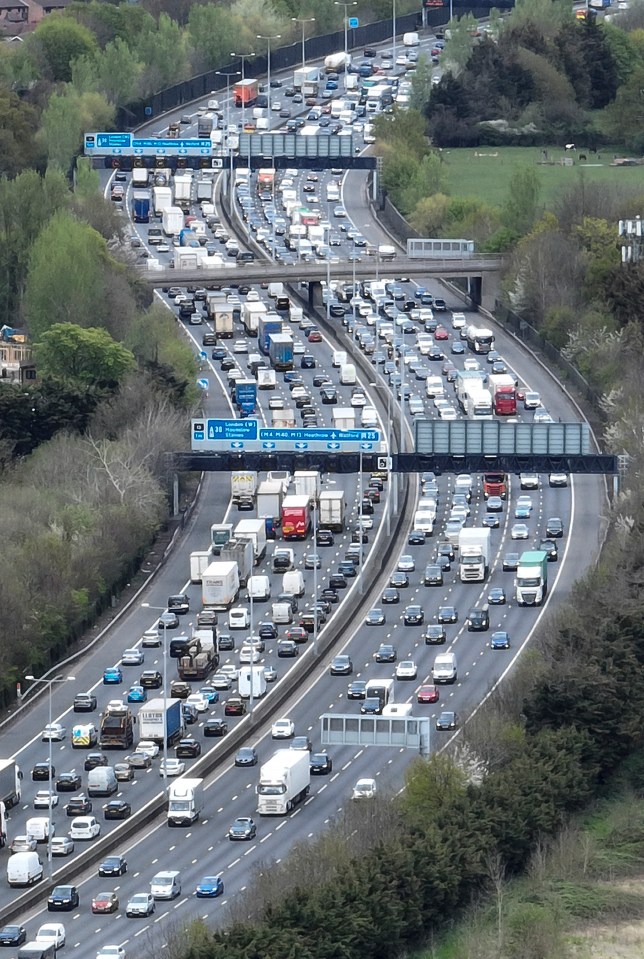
369 418
423 523
258 588
444 669
166 885
411 40
251 676
282 614
397 709
293 583
332 193
338 358
458 321
38 828
348 374
24 868
275 290
101 781
434 386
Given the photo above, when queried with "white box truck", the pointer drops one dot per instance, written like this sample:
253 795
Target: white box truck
185 801
251 679
473 554
269 499
239 551
343 417
200 560
220 584
332 510
243 485
283 781
255 531
10 783
173 221
307 483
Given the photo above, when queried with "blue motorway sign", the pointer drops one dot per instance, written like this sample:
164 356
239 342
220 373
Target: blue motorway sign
124 144
320 436
246 435
354 23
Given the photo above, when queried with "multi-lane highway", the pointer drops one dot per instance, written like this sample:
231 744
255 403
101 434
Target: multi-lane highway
205 849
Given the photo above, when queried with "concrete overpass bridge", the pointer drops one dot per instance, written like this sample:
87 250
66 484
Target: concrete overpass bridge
473 267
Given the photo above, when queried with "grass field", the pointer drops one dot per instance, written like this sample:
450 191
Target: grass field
486 171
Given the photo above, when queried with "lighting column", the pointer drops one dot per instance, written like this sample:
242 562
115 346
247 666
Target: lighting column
303 21
164 691
341 3
277 36
243 57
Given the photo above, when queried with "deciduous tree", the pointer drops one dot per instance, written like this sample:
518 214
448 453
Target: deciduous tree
86 357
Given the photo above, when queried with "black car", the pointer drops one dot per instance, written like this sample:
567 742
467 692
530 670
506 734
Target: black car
215 727
78 806
413 615
324 537
447 614
63 898
446 549
330 595
13 935
435 635
341 665
308 361
267 631
390 595
42 771
357 689
179 689
225 642
117 809
554 527
416 538
447 721
84 703
550 547
337 581
92 760
386 653
68 783
433 575
478 619
372 705
187 749
113 866
320 764
399 580
246 756
511 562
151 679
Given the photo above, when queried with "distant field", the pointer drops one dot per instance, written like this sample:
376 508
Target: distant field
487 175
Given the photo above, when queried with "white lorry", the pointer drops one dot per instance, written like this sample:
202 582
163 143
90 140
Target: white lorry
332 510
283 781
473 554
161 199
182 189
239 551
185 801
283 419
255 531
343 418
478 404
337 62
200 560
243 485
173 221
10 783
220 584
307 483
266 379
269 499
251 679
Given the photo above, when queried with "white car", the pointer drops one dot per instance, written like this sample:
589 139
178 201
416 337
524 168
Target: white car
529 480
471 364
230 670
198 701
406 669
558 479
42 799
541 415
239 618
148 748
520 531
364 789
276 403
54 732
61 846
84 827
111 952
366 522
132 657
52 932
359 400
406 564
532 401
448 413
240 346
247 654
283 729
172 767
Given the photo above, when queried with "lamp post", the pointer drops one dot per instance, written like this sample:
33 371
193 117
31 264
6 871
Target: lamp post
393 30
162 609
49 683
277 36
380 386
243 57
316 611
328 272
303 21
346 5
222 73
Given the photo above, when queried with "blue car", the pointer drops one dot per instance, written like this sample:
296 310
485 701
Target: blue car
137 694
210 694
333 84
500 640
522 512
112 676
210 887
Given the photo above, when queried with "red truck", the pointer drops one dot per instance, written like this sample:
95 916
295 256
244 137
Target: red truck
245 93
505 401
296 517
495 484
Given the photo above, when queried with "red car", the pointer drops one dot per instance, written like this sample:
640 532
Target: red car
105 902
314 336
441 333
427 694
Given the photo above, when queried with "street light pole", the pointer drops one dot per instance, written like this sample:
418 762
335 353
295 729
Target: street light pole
341 3
165 688
360 488
315 579
235 73
49 683
243 57
303 21
393 29
278 36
